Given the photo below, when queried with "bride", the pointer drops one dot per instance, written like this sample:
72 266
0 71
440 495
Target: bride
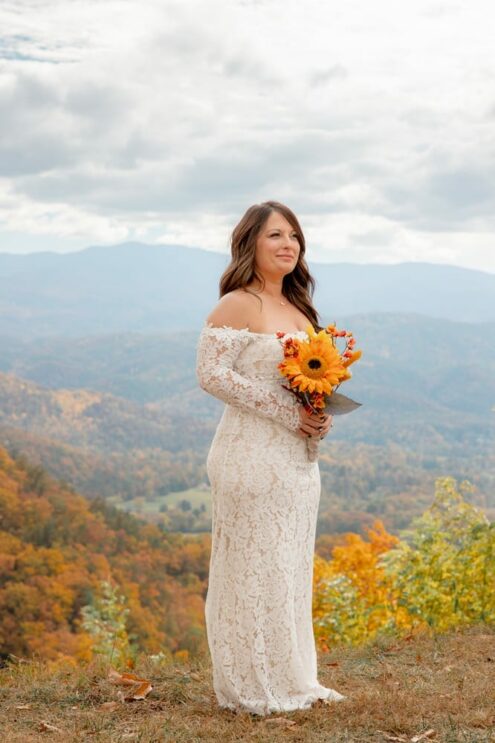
264 475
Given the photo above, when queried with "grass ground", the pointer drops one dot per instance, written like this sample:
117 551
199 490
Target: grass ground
142 506
439 688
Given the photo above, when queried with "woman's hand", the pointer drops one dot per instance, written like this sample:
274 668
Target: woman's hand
314 424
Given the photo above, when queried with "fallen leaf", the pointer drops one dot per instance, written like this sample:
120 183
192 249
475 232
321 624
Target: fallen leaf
141 692
47 727
195 676
142 686
280 721
428 734
387 736
333 663
127 679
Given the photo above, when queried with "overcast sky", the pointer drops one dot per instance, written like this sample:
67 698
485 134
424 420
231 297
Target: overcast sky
163 121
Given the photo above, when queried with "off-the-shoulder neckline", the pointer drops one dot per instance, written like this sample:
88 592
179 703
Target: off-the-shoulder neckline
208 326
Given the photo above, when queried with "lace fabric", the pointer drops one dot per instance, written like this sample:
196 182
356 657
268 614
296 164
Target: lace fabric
265 486
219 348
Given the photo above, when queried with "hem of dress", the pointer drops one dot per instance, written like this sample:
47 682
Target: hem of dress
264 709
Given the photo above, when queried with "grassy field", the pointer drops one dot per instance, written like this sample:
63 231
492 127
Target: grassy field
418 689
195 496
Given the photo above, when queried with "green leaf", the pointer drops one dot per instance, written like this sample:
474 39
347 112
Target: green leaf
338 404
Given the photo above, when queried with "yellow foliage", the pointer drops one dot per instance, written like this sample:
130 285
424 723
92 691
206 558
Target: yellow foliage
352 597
74 402
439 575
182 656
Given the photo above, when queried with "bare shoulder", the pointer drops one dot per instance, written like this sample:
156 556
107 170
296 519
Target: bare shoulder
234 309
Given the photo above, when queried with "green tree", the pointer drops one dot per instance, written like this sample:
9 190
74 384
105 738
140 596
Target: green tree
444 565
105 621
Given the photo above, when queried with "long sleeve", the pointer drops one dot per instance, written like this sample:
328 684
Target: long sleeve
217 351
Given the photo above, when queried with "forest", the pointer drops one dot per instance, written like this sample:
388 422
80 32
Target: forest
79 577
57 551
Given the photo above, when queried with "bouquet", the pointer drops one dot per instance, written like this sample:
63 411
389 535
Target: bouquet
315 369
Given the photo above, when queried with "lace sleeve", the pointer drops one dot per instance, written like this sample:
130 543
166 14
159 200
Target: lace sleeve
217 351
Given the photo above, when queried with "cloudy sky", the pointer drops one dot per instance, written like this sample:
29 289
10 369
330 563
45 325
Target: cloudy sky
163 121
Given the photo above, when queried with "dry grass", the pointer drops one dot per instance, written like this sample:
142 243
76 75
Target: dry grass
396 690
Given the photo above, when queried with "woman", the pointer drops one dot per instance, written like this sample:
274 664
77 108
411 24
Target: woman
264 474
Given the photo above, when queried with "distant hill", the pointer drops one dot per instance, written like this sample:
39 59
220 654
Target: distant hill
409 362
88 418
123 416
148 288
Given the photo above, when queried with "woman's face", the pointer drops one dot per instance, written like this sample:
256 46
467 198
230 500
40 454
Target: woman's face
277 247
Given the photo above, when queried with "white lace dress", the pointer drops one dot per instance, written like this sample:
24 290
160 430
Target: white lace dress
265 487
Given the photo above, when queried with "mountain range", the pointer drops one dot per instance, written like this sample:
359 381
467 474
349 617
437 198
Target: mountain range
97 379
162 288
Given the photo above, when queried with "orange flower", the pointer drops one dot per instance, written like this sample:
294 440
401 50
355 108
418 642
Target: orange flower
355 355
316 366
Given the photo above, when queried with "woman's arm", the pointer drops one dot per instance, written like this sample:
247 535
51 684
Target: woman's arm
218 348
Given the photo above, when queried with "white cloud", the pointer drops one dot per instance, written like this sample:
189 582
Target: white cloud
374 122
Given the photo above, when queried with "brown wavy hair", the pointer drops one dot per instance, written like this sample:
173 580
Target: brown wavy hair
298 286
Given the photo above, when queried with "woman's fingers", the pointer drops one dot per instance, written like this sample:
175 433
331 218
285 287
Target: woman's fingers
314 428
314 424
309 425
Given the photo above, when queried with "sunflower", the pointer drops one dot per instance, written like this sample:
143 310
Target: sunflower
317 366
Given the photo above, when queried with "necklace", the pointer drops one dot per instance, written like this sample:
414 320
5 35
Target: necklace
280 301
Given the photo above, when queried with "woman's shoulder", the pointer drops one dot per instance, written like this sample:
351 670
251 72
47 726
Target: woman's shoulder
234 309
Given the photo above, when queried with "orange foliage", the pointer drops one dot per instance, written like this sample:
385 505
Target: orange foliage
55 549
357 561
